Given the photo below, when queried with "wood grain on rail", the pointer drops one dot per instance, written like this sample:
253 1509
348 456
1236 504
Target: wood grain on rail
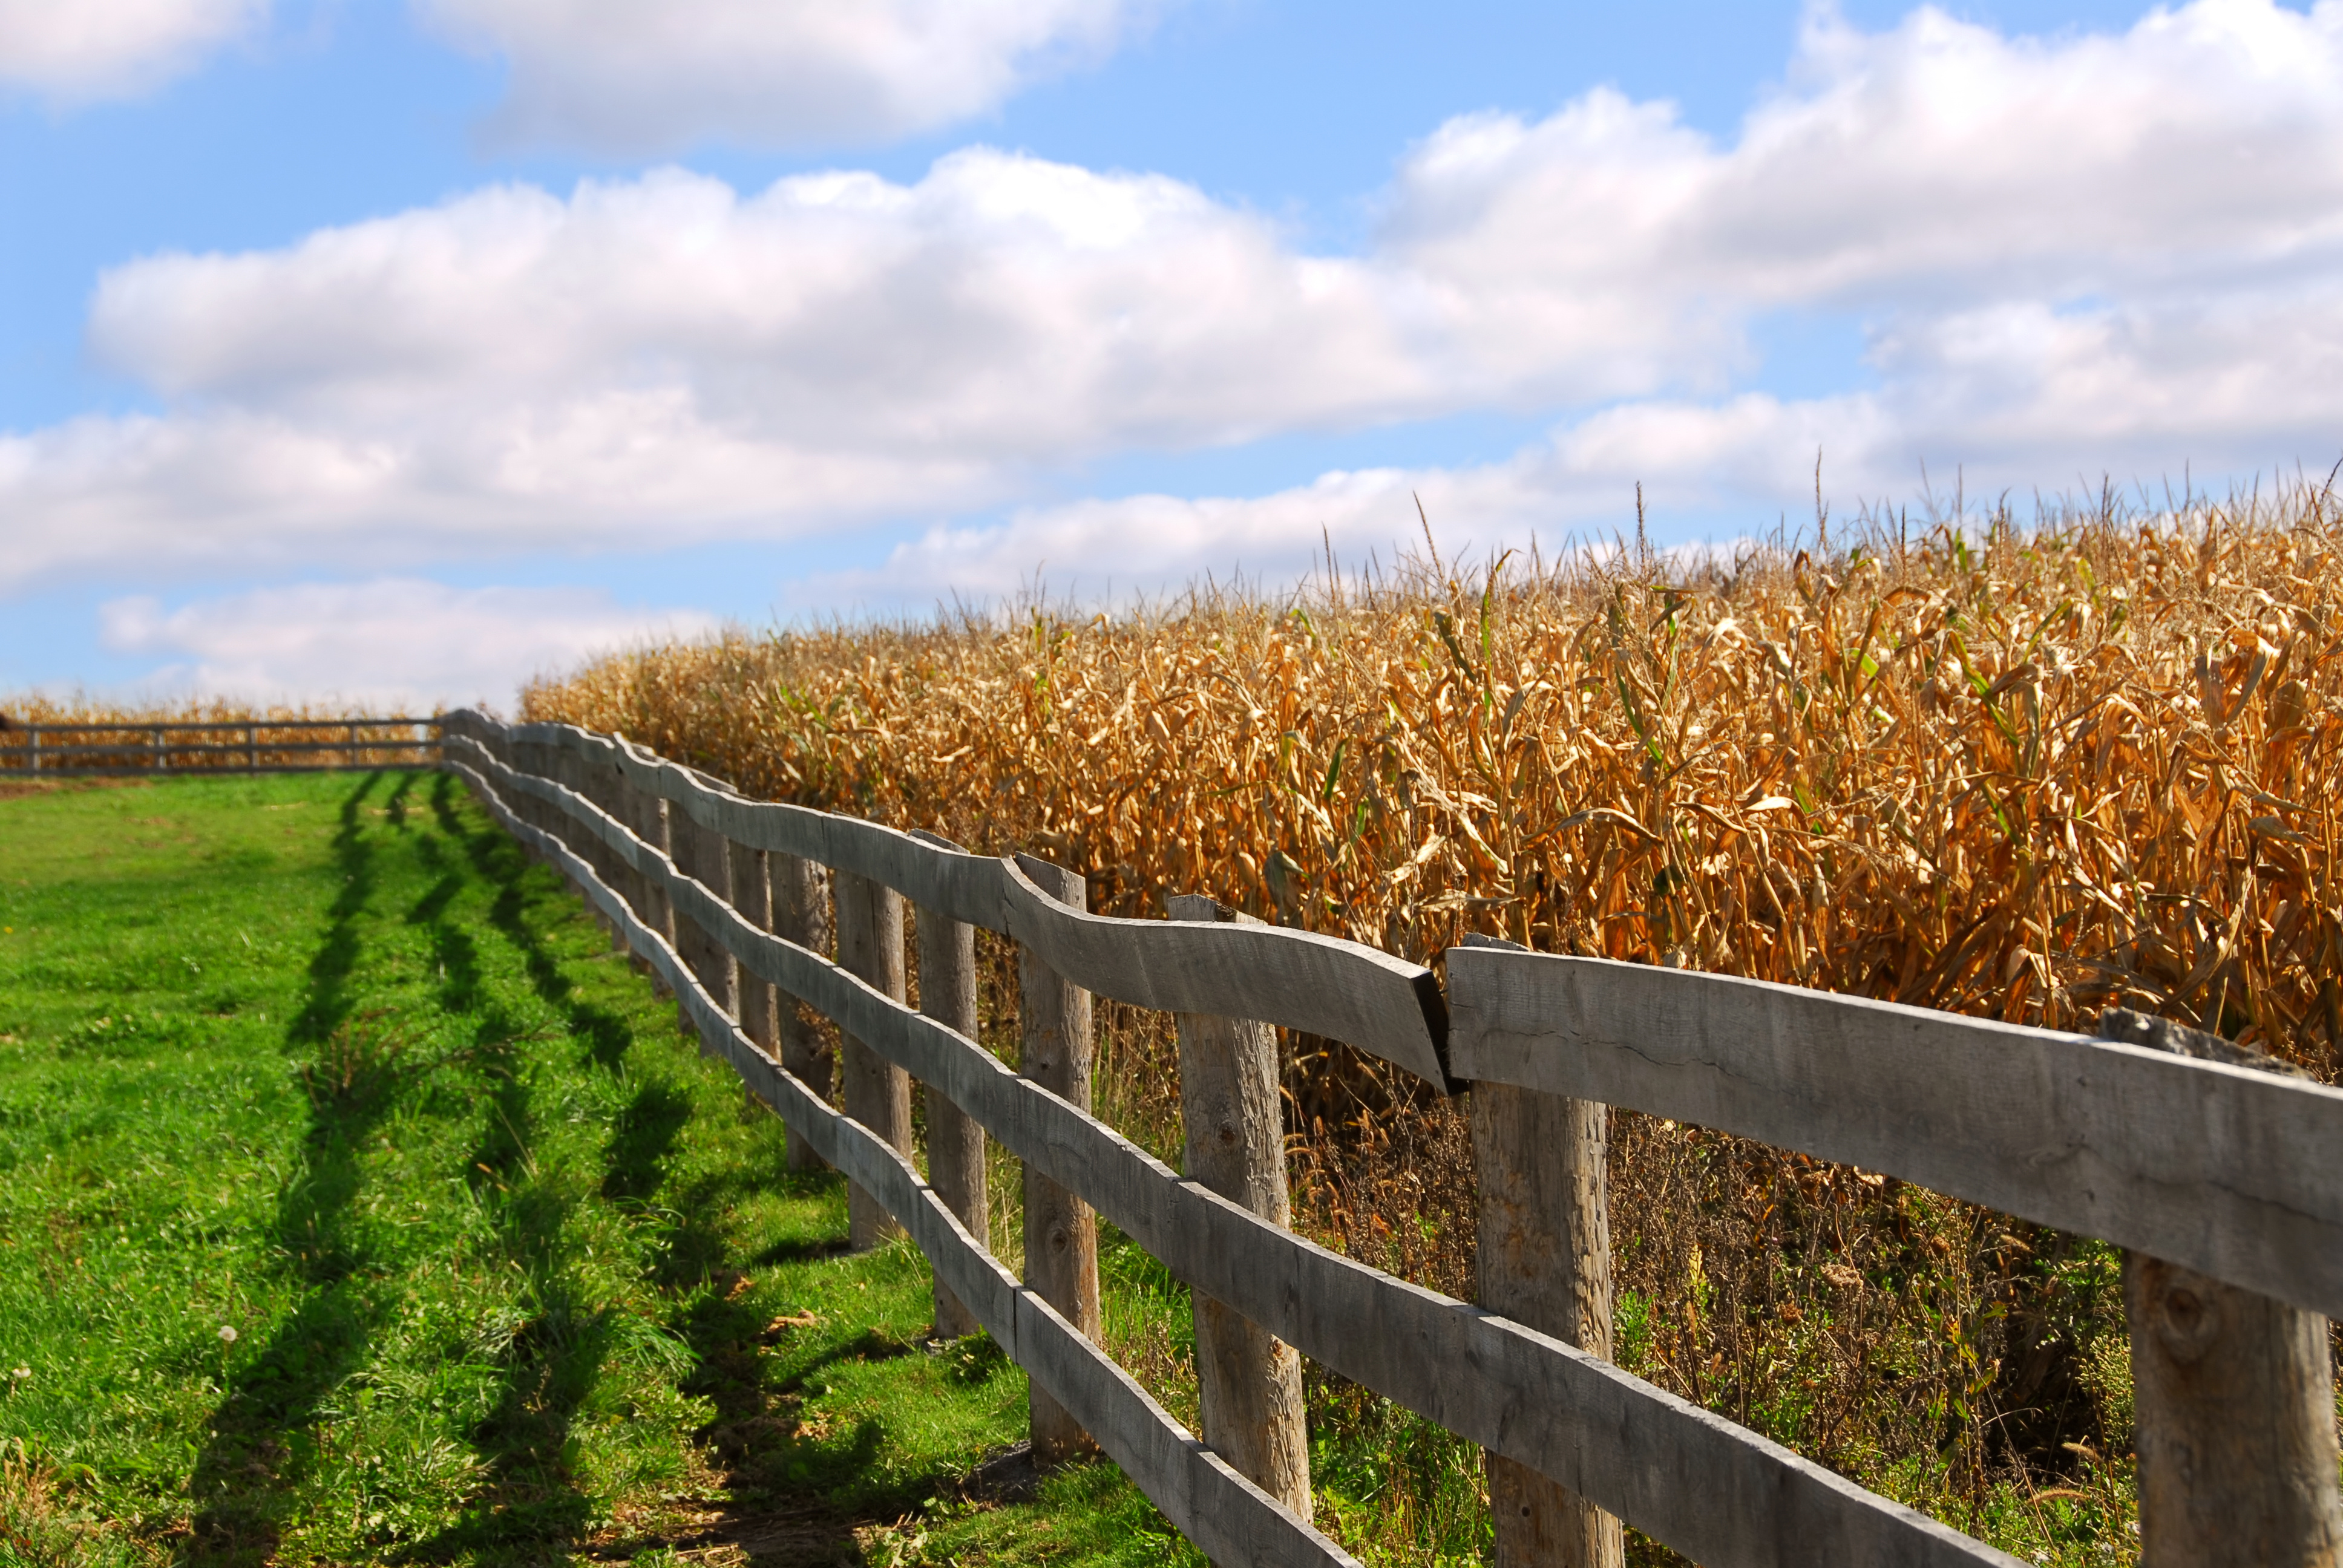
1318 984
2229 1172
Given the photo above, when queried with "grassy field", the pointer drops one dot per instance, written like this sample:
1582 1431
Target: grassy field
356 1205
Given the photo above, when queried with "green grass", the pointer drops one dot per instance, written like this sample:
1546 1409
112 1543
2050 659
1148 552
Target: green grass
357 1205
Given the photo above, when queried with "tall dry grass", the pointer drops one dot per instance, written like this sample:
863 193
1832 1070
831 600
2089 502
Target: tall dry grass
2025 772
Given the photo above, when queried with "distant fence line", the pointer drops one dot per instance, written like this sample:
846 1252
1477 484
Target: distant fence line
132 748
2217 1171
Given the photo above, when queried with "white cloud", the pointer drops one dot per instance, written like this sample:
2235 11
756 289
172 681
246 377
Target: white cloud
74 50
623 76
1576 484
2092 253
393 644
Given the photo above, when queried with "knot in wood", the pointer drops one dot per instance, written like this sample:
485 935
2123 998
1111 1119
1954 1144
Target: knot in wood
1226 1132
2186 1322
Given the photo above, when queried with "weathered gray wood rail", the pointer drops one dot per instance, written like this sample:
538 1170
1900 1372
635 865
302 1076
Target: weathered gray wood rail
1216 1507
269 746
2231 1173
2225 1171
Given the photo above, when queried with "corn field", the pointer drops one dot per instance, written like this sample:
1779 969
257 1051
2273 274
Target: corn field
2020 770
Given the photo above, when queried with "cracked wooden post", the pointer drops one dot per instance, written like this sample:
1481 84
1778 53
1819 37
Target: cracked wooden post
1054 1048
877 1092
1543 1260
955 1141
1248 1380
803 915
2233 1401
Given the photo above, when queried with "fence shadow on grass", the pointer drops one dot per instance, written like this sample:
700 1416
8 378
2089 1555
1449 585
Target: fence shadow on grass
551 1364
496 856
261 1445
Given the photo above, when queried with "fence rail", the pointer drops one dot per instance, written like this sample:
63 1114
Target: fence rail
29 749
2209 1165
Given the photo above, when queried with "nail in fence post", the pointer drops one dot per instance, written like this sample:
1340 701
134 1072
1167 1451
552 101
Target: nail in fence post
1230 1109
803 915
1054 1048
2233 1394
1543 1257
955 1142
877 1092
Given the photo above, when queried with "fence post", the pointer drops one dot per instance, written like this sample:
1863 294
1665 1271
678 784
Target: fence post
802 914
1054 1047
646 814
752 895
1543 1260
1231 1111
252 748
34 730
955 1141
162 762
700 854
877 1092
2233 1401
572 771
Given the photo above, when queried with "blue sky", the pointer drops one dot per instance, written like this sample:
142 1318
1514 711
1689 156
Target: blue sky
399 350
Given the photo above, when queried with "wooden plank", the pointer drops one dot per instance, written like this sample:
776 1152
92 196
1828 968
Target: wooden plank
877 1092
2228 1172
1233 1125
1055 1048
1299 980
1222 1513
1694 1480
2234 1393
961 885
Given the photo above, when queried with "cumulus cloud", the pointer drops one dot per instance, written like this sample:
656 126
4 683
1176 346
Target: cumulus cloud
2097 251
74 50
394 644
622 77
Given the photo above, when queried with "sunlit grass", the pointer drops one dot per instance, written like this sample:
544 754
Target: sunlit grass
356 1205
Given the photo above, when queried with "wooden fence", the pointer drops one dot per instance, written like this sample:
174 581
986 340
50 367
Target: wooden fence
2221 1177
261 746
